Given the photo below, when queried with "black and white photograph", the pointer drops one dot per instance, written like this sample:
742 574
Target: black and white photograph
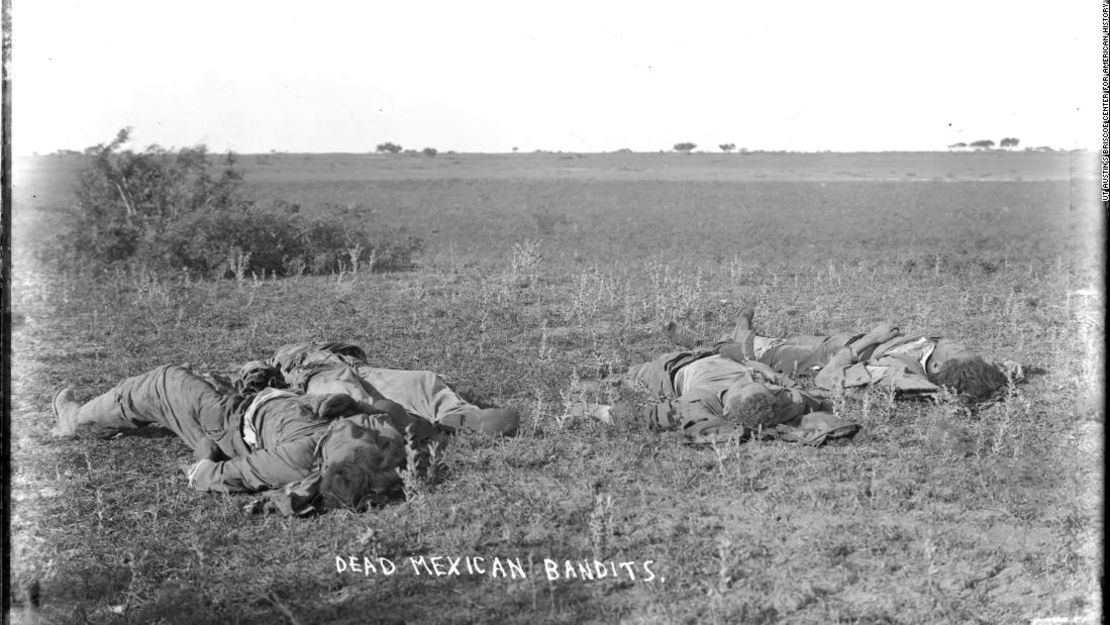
562 312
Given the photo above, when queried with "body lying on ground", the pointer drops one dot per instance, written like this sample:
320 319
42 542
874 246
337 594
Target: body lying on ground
335 367
334 442
711 398
884 357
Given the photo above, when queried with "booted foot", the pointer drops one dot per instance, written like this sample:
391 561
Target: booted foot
744 321
681 335
744 335
65 412
496 421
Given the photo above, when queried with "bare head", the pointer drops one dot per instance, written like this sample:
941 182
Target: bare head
357 462
751 404
256 375
952 365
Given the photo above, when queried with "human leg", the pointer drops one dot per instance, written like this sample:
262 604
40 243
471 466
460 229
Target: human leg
743 337
171 396
783 355
743 344
801 354
682 336
426 394
806 354
740 345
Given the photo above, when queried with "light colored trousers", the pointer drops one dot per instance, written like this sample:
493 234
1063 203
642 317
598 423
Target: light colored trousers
421 393
171 396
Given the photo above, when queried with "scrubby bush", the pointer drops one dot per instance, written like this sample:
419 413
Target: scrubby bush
273 241
167 209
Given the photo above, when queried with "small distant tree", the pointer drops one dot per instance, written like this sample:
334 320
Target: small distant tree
982 144
957 146
515 149
1009 142
727 147
686 147
388 147
430 151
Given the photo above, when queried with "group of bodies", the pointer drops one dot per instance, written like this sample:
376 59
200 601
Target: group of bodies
317 427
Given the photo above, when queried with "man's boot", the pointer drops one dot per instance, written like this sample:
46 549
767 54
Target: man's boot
495 421
744 334
65 409
682 336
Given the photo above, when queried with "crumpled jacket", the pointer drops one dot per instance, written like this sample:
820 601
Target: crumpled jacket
828 360
398 441
298 362
288 428
292 357
890 365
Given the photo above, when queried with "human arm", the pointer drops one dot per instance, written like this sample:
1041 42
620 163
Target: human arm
862 347
847 367
764 374
697 415
260 470
207 449
732 350
834 374
336 405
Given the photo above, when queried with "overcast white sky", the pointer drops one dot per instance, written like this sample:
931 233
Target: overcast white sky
255 76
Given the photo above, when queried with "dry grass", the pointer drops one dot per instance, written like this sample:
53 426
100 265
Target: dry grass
531 282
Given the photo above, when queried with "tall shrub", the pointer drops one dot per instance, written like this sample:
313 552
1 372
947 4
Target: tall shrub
174 209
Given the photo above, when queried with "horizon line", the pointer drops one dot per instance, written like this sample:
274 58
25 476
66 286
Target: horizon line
625 151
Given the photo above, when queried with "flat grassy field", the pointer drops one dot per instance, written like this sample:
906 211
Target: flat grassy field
545 271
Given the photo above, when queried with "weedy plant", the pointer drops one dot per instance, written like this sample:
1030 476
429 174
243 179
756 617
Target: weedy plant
601 524
425 466
526 261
